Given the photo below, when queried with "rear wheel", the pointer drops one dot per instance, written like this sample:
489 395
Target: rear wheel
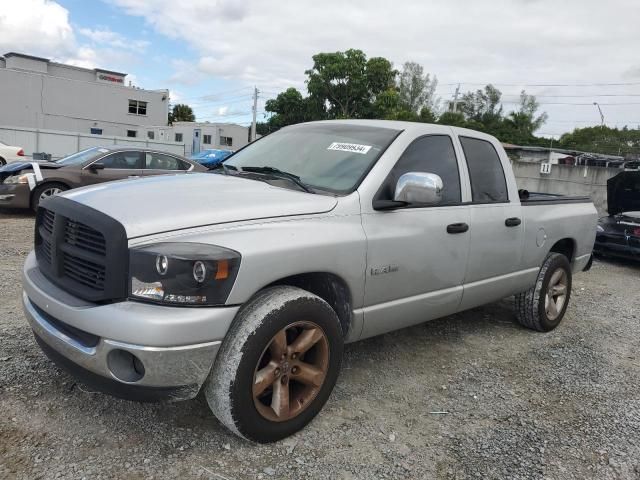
543 306
3 162
45 190
277 366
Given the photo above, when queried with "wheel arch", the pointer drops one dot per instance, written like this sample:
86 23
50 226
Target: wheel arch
328 286
566 247
46 182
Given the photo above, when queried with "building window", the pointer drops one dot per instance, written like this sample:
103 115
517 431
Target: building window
132 133
227 141
178 137
96 131
206 139
137 107
151 135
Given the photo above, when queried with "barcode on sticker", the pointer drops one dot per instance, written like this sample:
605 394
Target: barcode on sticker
350 147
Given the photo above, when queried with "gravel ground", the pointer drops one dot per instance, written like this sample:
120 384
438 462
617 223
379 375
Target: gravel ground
469 396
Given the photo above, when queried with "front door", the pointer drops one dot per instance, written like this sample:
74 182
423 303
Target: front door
117 166
415 264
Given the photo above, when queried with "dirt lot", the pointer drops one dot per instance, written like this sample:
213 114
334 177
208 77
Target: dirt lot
518 404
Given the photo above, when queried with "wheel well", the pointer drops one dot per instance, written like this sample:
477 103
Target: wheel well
48 182
331 288
566 247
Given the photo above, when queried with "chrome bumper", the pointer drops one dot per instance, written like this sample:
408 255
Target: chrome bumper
184 366
161 339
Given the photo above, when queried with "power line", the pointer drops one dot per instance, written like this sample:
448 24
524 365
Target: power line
544 84
214 94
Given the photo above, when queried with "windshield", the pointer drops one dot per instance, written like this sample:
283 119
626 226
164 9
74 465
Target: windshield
83 156
325 156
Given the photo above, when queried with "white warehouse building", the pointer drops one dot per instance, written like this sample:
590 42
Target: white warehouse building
198 136
40 94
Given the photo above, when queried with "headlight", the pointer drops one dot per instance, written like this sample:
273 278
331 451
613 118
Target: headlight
182 273
599 228
16 179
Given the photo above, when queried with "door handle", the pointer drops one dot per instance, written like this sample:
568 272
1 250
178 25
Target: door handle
512 222
133 176
457 228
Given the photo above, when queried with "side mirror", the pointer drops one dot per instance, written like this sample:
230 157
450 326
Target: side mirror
419 188
96 166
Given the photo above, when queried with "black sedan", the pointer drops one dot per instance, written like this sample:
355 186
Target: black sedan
618 234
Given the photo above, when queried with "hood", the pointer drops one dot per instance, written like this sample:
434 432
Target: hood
173 202
17 166
623 192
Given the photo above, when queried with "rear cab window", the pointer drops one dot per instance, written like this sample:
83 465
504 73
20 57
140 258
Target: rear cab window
488 182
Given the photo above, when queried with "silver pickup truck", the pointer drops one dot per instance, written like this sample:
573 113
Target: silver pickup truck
245 282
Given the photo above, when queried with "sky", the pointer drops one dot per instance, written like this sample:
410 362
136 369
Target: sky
211 53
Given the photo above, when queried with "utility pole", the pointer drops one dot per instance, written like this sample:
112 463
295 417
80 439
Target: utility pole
255 112
455 99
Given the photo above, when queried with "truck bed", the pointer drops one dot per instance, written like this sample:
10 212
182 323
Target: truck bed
537 198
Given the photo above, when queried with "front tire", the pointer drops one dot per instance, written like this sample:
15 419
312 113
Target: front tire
44 191
277 365
543 306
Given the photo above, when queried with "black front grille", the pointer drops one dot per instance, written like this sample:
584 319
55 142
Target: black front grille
84 271
84 237
81 250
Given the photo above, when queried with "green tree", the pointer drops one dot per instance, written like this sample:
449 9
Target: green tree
289 107
610 141
482 105
348 83
417 89
524 120
181 113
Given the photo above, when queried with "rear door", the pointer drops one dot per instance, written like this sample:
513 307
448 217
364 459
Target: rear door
415 266
117 166
157 163
495 226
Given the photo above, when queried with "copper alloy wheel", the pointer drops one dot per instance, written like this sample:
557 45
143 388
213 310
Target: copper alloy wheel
291 371
556 294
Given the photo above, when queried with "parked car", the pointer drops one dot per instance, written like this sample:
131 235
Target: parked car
322 233
618 234
210 158
10 154
25 184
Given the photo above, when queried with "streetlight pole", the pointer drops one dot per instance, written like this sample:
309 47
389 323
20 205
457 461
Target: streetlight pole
601 115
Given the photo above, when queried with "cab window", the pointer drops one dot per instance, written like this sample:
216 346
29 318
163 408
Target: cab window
488 184
428 154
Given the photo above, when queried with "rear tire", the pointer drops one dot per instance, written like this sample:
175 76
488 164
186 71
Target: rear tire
265 385
45 190
3 162
543 306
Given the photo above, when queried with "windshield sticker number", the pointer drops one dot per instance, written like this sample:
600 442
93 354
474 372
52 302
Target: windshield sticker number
350 147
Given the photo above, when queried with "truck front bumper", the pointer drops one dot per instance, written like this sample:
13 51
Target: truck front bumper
75 335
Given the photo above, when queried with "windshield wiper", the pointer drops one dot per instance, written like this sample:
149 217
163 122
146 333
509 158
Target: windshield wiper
275 172
225 168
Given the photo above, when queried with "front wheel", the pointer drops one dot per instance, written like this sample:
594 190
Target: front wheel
45 190
543 306
277 365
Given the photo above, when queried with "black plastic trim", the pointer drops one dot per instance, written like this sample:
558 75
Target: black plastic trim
115 260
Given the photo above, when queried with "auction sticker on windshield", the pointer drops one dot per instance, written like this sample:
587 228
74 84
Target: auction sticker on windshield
349 147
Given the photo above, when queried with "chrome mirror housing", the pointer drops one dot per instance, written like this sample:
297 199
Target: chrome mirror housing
419 188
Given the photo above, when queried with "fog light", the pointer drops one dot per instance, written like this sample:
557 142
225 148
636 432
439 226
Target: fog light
125 366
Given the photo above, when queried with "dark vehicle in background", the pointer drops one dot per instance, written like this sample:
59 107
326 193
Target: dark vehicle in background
618 234
210 158
22 187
